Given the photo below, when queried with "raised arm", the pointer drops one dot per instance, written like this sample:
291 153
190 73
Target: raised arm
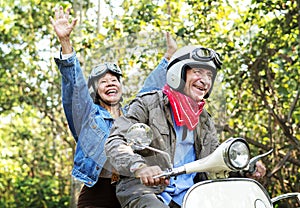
72 76
157 78
171 46
63 29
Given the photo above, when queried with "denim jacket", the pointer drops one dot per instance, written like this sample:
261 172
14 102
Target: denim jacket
89 123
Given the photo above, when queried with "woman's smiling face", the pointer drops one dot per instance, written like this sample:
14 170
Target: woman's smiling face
110 89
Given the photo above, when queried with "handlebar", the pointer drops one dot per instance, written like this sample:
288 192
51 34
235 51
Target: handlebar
172 172
182 170
252 162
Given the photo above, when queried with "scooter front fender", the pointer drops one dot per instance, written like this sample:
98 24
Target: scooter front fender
227 193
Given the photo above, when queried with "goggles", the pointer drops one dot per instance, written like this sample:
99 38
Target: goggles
200 54
103 68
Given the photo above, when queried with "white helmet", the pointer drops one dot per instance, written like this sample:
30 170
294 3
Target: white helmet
191 57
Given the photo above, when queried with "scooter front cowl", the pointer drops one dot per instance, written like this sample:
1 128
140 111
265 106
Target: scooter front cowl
227 193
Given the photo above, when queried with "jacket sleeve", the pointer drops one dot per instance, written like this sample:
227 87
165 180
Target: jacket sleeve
157 78
75 96
125 160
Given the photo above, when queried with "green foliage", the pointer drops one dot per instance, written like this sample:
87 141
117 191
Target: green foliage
264 89
33 162
36 153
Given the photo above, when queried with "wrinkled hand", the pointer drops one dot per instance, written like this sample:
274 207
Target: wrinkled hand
146 176
171 46
260 171
61 23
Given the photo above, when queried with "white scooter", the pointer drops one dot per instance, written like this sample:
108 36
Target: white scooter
219 191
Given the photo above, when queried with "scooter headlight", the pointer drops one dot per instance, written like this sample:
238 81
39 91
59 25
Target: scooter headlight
238 154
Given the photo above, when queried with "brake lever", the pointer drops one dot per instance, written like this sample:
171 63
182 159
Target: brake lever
164 174
252 162
171 172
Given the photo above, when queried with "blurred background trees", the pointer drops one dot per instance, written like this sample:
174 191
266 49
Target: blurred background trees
257 91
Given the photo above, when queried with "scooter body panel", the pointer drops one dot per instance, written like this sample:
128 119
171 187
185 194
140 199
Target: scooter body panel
227 193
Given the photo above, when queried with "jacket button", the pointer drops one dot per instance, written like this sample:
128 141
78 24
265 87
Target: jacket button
97 168
90 182
94 126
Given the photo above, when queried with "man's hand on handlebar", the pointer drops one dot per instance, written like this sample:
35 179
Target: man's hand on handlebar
259 172
146 176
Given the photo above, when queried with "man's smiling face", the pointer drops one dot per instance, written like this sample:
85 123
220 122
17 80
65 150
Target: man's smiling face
198 83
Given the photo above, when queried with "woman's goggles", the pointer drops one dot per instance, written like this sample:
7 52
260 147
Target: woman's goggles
101 69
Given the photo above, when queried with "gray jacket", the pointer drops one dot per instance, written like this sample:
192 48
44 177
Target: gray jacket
153 109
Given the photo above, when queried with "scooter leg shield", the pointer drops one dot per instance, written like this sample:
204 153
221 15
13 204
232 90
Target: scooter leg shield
227 193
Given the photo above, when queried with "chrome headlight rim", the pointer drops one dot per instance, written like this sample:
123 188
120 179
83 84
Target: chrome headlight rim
226 153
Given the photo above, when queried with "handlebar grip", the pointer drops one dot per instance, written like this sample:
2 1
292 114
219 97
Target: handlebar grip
172 172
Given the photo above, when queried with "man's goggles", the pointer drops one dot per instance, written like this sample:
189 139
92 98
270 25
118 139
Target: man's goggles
101 69
200 54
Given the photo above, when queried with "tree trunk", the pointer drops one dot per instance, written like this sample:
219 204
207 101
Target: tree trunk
75 191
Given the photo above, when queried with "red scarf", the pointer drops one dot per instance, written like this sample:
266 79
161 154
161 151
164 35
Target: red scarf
186 111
